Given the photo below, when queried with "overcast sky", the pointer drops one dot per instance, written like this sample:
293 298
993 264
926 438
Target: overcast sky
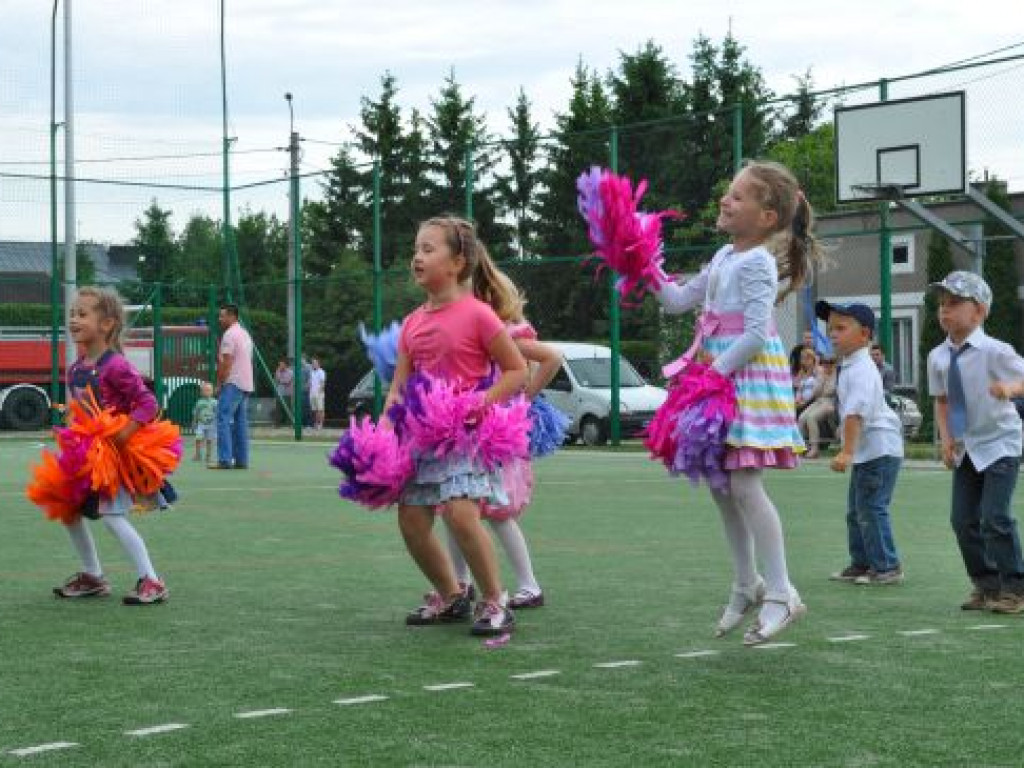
147 72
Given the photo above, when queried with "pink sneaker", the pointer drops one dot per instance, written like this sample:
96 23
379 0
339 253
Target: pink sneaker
83 584
147 591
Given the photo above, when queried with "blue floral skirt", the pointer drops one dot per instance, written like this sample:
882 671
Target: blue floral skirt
453 477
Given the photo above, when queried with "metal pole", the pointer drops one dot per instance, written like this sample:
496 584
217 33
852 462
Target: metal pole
55 313
226 188
885 258
70 256
299 403
615 431
158 343
737 137
378 280
469 184
293 168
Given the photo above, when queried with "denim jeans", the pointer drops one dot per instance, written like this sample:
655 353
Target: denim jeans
232 426
984 525
869 532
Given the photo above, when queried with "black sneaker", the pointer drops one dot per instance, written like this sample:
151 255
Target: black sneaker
435 611
850 573
492 619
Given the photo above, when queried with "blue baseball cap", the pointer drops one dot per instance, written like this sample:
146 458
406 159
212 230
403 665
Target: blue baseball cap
862 313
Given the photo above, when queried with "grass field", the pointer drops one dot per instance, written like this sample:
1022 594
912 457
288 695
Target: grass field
284 601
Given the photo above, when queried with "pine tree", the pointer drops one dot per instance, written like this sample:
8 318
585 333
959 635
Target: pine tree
515 189
940 264
155 241
337 222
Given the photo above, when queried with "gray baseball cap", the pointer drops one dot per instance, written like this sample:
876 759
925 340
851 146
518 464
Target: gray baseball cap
966 285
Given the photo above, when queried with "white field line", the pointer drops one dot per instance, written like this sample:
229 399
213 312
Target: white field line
154 729
26 751
847 638
447 686
696 654
773 646
261 713
617 664
988 626
361 700
917 632
535 675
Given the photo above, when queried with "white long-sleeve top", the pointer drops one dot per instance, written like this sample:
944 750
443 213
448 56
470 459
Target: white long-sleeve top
733 282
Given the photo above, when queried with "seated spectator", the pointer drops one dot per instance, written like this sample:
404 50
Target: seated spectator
794 354
805 380
886 370
821 408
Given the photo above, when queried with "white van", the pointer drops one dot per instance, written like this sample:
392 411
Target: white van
582 391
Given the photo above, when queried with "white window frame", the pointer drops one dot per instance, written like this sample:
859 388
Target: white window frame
903 240
911 314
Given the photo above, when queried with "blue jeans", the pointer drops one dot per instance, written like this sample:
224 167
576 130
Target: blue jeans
869 532
984 525
232 426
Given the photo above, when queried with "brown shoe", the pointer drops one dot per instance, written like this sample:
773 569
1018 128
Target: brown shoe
850 573
1008 602
978 601
83 585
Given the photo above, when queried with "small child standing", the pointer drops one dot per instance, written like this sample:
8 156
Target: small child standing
972 376
96 322
204 420
872 441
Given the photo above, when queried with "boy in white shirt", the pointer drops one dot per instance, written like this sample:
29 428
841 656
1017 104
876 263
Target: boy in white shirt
872 441
972 376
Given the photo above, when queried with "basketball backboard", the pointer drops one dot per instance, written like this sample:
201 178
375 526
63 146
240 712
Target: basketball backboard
905 147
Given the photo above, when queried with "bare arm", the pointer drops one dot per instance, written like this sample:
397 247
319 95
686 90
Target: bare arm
852 426
942 424
505 353
548 359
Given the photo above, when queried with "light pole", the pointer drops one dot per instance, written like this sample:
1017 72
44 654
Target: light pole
295 273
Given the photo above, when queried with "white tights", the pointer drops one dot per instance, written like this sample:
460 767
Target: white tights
514 543
134 546
753 530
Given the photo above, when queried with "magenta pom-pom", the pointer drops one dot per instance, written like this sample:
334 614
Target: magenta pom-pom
625 240
442 420
376 465
687 433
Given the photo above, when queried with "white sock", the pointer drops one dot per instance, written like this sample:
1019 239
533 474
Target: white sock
458 559
514 543
84 545
740 540
132 543
762 520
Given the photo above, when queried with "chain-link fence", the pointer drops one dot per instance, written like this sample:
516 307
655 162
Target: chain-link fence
179 229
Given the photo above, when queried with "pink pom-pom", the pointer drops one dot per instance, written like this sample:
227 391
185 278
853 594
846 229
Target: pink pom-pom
376 465
688 431
625 240
442 420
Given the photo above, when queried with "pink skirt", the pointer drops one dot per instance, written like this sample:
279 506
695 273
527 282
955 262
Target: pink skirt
746 457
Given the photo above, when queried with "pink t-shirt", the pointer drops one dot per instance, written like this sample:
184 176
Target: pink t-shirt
451 341
237 342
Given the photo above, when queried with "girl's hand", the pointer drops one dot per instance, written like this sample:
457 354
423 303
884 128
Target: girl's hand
121 438
703 356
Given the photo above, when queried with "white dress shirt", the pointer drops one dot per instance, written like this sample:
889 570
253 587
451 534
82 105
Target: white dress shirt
860 393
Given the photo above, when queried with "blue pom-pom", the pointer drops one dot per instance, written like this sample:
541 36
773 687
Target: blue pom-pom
547 432
382 349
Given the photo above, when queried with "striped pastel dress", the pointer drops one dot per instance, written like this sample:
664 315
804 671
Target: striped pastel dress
738 290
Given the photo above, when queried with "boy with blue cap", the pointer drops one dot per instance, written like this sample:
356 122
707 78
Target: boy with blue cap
872 443
972 376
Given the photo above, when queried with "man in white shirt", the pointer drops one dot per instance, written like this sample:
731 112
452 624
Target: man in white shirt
317 392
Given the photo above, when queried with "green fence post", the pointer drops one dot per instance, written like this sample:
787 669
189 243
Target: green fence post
211 335
737 137
469 184
378 282
614 426
885 258
158 344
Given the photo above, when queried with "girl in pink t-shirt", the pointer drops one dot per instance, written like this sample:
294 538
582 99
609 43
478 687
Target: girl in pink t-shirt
456 336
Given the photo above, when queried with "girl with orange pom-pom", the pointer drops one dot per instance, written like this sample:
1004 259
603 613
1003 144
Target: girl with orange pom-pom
102 374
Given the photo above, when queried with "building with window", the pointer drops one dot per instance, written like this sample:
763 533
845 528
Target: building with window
853 273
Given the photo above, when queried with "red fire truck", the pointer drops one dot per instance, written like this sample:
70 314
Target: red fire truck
26 363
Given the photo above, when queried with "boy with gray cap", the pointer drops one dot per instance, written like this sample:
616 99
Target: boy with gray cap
972 376
872 446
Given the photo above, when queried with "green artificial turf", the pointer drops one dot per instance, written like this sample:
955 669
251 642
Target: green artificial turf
283 596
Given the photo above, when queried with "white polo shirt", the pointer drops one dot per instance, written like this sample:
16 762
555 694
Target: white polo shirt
993 426
860 393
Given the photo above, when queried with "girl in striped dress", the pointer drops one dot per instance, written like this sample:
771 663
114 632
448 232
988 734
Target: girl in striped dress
769 222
